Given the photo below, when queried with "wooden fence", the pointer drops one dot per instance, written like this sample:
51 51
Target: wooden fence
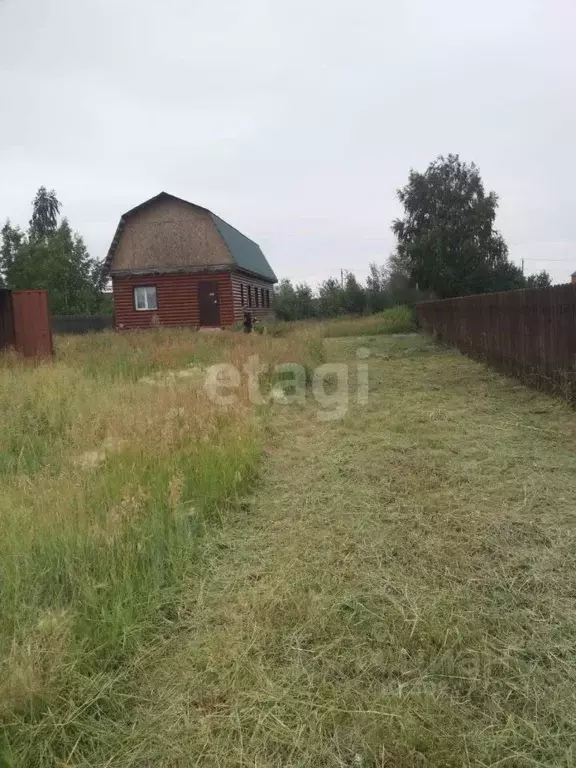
81 323
529 333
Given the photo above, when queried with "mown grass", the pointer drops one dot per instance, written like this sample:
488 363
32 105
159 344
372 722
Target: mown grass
401 594
397 591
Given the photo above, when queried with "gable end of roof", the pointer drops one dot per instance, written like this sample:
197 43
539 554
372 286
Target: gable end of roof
246 253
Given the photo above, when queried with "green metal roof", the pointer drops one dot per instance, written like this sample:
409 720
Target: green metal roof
245 252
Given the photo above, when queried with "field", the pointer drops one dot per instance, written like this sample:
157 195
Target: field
393 320
190 584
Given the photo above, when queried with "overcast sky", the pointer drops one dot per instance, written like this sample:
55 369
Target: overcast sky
296 121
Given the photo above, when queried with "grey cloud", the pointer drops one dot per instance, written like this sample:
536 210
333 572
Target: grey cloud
294 121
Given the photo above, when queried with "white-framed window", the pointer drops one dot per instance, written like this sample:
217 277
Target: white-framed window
145 297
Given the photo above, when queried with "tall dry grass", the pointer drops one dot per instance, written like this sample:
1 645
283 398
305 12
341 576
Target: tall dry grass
108 483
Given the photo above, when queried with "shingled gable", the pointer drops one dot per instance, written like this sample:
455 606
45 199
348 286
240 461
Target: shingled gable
244 253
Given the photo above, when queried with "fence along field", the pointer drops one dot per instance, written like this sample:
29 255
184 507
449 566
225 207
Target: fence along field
81 323
529 333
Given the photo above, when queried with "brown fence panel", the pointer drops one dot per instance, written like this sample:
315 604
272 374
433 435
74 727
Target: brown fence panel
32 329
81 323
529 333
6 323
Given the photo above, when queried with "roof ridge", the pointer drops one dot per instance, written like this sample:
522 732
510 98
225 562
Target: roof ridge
251 258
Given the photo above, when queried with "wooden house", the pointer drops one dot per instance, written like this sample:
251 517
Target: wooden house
173 263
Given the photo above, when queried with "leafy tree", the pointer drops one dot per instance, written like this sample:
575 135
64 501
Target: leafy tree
330 298
305 302
539 280
446 238
390 284
45 210
285 300
11 240
353 295
377 296
53 257
294 303
399 285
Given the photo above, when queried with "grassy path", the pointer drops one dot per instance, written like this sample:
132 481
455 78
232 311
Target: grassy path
399 592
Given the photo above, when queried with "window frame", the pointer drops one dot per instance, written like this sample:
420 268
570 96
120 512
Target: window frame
250 296
242 297
256 297
145 288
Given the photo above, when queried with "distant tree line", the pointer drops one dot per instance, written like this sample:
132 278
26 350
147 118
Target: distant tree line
446 246
385 287
48 254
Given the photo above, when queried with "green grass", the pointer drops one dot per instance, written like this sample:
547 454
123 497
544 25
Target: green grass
396 589
108 486
394 320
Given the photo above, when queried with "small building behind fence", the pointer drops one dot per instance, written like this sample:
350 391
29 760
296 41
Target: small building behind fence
25 323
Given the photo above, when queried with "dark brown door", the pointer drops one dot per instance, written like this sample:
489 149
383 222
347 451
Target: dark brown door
209 303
